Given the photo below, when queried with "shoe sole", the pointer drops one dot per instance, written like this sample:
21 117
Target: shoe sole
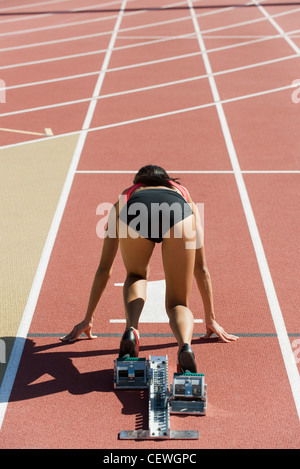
187 362
129 347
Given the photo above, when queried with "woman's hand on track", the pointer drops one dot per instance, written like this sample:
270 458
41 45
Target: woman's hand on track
83 327
215 328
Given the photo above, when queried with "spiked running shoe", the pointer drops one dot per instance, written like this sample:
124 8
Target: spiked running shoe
186 360
129 343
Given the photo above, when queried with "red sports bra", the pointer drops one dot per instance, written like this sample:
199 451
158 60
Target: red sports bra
140 184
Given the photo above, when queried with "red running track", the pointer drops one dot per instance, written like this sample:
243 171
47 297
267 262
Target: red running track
67 389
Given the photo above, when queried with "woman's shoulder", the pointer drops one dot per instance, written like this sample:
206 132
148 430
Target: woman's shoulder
182 189
126 190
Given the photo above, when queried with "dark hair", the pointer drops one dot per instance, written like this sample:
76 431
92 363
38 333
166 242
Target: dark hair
152 175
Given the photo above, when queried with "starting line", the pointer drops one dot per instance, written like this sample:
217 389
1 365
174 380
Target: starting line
48 132
187 395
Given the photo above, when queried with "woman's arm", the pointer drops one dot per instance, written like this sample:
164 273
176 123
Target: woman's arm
103 273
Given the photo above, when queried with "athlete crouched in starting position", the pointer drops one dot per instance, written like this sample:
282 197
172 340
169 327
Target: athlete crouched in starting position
178 229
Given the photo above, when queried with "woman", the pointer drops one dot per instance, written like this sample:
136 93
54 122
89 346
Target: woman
177 227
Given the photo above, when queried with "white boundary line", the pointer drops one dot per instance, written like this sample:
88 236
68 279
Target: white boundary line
30 5
207 36
170 171
19 343
122 321
284 342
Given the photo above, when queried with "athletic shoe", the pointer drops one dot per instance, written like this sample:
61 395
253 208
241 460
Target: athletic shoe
186 360
129 343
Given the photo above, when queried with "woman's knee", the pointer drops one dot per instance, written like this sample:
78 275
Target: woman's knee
174 304
140 272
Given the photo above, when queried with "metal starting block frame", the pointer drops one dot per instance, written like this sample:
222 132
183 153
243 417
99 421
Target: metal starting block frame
130 373
187 395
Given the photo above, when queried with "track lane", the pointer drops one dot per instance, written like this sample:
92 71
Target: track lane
280 233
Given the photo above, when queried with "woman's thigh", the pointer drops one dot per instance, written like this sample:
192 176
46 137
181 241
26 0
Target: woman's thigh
136 253
178 253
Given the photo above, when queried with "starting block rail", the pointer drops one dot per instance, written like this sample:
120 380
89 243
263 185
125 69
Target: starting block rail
187 395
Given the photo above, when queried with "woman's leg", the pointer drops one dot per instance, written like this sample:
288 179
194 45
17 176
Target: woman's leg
179 264
136 253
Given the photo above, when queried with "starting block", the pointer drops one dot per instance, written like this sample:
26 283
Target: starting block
187 395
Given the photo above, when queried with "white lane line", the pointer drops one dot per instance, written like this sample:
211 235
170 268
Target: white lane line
150 320
284 342
48 131
222 72
182 171
19 343
277 27
270 171
29 5
206 36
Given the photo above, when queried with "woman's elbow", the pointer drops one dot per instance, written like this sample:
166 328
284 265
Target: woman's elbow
201 271
104 272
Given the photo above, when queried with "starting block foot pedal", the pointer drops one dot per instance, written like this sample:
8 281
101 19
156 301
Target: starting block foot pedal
188 394
130 373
